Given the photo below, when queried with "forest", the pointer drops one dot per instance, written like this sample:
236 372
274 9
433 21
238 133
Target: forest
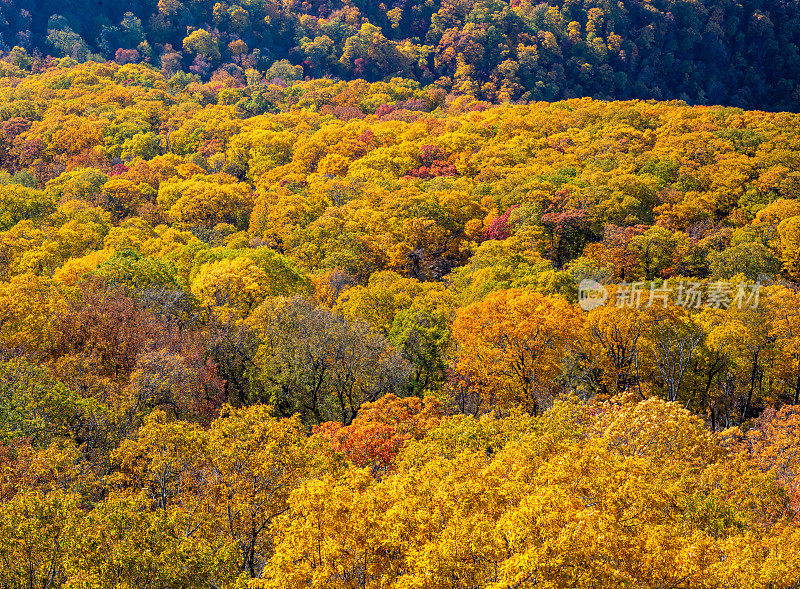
294 320
743 54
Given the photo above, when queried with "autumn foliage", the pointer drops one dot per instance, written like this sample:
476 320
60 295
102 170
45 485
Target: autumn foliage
262 331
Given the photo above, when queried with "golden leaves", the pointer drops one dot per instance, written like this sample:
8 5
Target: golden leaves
513 343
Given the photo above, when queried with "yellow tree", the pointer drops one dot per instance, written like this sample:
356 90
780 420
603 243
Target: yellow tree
121 197
674 338
28 307
789 233
257 461
613 346
329 538
33 529
121 544
165 462
231 287
784 305
513 342
204 202
743 337
379 301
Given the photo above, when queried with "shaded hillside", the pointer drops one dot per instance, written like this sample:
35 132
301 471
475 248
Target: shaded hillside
716 52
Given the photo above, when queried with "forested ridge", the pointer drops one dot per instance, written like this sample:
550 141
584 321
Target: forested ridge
742 54
276 332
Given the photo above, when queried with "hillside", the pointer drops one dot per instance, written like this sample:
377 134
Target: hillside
353 334
393 205
716 52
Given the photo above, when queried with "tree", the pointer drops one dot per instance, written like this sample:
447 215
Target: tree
191 390
497 265
120 543
674 337
203 203
784 329
381 430
772 447
20 203
368 49
36 407
34 528
166 463
203 44
313 362
137 272
257 461
142 145
381 299
513 342
569 231
29 306
83 184
232 287
581 496
789 232
655 250
237 280
752 260
328 537
614 349
107 328
743 337
422 334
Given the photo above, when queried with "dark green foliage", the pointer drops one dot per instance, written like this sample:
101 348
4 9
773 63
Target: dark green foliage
713 52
